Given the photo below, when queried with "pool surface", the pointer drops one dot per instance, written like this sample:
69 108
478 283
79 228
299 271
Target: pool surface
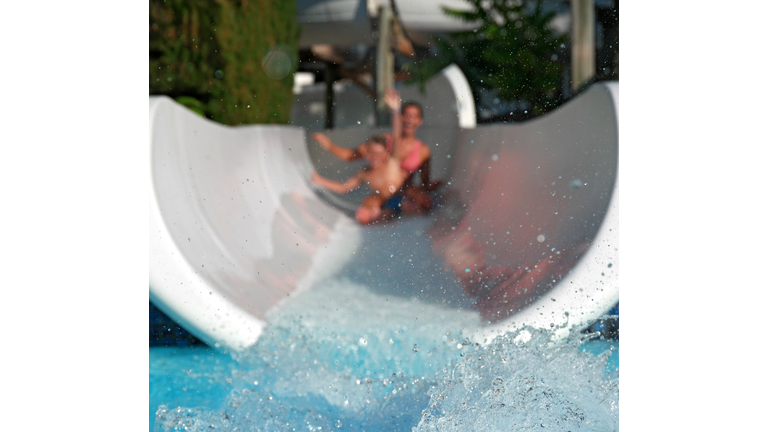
384 363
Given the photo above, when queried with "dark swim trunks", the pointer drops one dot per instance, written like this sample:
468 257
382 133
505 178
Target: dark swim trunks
394 203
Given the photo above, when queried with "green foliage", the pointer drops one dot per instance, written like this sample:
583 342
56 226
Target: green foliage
193 104
512 51
208 55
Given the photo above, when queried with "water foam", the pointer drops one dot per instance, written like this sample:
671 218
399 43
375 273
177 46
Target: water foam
340 356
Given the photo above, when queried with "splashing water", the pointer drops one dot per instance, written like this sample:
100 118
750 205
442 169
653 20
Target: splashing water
506 386
340 357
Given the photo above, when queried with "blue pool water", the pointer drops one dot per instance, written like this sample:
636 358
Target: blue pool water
344 357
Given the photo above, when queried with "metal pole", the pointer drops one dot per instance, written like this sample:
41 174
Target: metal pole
330 77
385 64
582 42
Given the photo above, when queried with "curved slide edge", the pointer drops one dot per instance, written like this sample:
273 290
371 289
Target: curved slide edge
168 269
591 288
465 101
211 188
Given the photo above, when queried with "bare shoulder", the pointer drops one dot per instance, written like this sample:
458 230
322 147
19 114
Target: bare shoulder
425 151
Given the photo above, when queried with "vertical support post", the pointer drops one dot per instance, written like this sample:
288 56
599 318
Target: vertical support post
385 64
582 42
330 77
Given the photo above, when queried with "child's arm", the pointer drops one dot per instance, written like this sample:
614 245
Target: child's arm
343 153
341 188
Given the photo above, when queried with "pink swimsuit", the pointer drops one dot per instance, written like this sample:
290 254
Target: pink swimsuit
412 162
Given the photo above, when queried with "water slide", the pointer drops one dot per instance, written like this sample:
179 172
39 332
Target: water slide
525 231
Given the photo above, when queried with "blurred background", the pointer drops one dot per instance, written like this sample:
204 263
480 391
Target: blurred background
241 62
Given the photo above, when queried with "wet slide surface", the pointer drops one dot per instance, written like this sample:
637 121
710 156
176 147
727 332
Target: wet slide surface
526 230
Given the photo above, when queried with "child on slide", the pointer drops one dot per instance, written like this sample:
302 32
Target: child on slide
383 175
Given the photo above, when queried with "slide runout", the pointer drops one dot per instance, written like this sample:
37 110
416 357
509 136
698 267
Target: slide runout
234 227
531 209
245 234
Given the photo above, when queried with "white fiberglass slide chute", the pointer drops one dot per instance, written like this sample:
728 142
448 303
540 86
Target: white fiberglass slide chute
236 229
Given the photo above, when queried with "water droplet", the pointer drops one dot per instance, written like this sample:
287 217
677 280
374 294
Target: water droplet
541 238
276 64
495 157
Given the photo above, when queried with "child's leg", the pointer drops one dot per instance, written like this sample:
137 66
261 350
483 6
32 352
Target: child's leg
369 211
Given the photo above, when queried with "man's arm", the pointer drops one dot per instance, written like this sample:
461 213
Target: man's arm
343 153
347 186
